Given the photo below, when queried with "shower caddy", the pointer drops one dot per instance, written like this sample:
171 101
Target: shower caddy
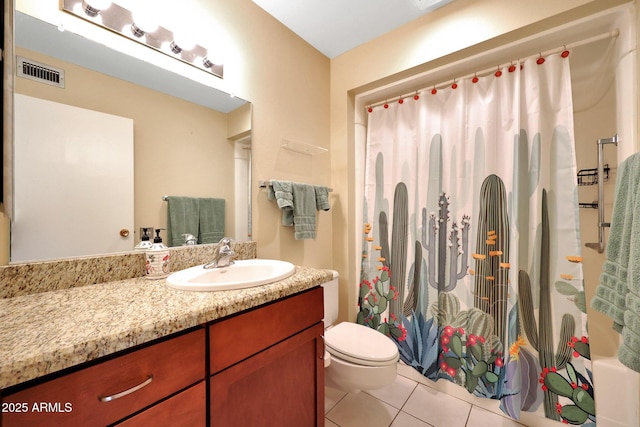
598 176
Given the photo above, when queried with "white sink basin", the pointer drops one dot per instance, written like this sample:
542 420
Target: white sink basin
242 274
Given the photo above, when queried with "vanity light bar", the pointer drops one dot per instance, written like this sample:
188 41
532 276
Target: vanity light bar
120 20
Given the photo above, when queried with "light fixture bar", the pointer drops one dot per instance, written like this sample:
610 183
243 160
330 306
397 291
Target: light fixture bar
120 20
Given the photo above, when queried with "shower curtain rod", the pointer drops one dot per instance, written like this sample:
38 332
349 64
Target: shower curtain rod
488 71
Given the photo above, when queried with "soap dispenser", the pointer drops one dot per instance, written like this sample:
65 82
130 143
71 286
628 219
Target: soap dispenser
157 259
145 242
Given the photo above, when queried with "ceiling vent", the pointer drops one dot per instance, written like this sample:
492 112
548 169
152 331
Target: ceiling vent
39 72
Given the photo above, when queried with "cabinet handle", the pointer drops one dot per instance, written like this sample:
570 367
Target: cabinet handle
126 392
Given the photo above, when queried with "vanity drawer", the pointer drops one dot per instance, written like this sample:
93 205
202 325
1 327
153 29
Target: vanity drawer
185 409
236 338
109 391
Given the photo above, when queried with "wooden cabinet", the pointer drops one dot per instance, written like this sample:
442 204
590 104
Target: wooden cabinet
268 366
186 409
264 367
109 391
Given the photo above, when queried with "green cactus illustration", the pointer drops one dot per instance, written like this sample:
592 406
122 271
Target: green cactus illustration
449 247
541 336
395 257
573 293
374 300
527 157
415 285
577 388
492 254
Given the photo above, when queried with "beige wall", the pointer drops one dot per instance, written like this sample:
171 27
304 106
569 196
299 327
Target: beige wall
460 29
287 82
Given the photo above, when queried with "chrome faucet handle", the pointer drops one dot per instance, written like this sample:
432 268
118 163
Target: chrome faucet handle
223 254
225 241
190 239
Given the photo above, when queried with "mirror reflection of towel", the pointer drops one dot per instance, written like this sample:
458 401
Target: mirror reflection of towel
212 220
182 218
202 217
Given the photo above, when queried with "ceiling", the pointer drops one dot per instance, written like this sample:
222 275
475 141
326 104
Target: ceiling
336 26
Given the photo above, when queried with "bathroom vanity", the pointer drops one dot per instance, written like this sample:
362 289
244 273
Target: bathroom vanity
135 353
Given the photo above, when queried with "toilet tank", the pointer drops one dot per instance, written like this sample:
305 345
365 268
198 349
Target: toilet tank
330 290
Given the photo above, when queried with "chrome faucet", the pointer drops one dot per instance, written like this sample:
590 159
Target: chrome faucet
189 239
223 254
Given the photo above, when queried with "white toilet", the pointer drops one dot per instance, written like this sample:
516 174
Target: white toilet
356 356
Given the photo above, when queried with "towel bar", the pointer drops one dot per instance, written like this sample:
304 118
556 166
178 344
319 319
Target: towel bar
265 184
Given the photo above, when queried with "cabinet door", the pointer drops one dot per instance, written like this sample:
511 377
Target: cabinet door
109 391
283 386
236 338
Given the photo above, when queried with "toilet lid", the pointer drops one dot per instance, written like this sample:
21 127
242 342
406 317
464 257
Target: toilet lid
360 344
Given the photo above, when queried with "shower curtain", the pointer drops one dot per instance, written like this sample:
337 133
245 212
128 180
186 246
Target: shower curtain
471 259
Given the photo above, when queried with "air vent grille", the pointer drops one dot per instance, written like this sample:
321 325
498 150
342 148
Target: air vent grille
39 72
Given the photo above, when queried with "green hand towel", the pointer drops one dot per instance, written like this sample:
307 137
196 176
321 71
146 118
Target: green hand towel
618 294
283 194
322 198
212 220
182 218
304 211
629 351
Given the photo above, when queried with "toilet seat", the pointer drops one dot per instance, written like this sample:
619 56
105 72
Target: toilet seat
360 344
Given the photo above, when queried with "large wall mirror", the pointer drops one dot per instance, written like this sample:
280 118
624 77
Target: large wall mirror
189 140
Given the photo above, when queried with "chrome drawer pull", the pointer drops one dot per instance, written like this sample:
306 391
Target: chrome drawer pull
128 391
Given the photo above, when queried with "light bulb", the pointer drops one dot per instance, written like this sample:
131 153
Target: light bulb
184 41
143 23
94 7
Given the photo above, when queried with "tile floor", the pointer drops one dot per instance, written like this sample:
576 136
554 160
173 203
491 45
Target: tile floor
414 401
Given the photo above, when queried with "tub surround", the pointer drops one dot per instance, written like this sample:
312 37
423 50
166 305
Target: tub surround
50 330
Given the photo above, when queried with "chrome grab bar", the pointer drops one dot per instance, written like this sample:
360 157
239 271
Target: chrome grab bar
599 246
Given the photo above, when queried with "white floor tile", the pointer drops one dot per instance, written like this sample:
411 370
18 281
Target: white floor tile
482 418
395 394
331 397
409 372
405 420
361 409
437 408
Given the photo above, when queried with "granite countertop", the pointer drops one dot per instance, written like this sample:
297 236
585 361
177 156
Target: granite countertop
46 332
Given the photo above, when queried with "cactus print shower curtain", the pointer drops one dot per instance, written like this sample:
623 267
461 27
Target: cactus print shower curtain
471 257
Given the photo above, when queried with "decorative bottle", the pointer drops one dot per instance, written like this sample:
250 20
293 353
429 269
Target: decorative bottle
157 263
145 242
